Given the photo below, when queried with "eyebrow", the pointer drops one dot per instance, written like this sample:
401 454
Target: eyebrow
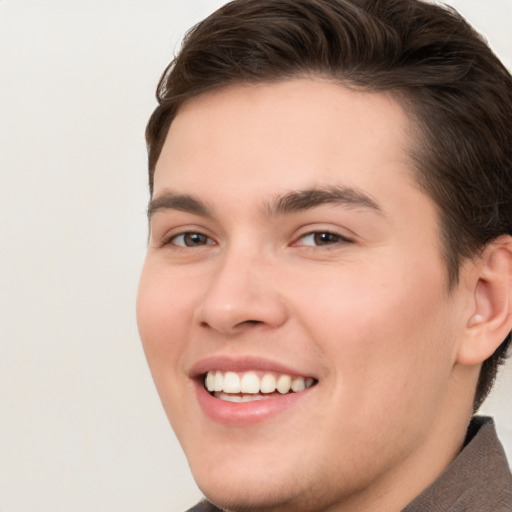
290 202
181 202
302 200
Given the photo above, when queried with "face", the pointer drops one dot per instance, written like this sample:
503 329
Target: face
294 266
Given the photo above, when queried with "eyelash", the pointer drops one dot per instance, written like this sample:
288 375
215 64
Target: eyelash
202 239
172 240
315 234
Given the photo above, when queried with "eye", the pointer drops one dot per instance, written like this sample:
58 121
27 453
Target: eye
190 239
321 238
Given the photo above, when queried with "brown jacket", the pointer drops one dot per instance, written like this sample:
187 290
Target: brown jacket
478 480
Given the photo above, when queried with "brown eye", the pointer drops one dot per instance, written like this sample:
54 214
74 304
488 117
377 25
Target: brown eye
191 239
319 238
325 238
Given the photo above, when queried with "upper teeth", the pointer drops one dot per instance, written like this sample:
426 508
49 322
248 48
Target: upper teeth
251 383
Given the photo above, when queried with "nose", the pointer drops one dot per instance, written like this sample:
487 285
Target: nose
242 294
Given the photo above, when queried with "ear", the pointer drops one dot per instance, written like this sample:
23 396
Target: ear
490 317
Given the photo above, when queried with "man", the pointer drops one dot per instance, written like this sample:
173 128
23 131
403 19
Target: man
327 291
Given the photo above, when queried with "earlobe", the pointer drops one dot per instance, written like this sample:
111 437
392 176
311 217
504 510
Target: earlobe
490 320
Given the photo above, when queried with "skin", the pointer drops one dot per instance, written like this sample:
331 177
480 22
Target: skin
366 311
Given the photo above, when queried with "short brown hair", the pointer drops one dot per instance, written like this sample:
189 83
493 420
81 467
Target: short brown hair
455 89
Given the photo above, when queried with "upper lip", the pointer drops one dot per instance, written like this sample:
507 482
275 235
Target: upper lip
243 364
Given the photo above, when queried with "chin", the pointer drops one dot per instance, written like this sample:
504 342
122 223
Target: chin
277 483
251 496
249 486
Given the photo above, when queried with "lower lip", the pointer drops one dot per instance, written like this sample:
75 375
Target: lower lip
246 413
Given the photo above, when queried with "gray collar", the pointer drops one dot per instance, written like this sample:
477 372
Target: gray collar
478 480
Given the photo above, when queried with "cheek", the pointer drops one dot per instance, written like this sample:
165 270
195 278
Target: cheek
161 318
163 315
385 341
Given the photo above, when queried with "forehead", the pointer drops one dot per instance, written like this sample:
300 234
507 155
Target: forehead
267 139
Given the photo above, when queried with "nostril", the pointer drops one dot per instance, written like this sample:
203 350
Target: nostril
240 324
248 323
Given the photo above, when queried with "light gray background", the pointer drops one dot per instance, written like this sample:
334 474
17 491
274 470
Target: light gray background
81 427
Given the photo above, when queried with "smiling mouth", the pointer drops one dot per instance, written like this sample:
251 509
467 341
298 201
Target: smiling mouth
251 386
